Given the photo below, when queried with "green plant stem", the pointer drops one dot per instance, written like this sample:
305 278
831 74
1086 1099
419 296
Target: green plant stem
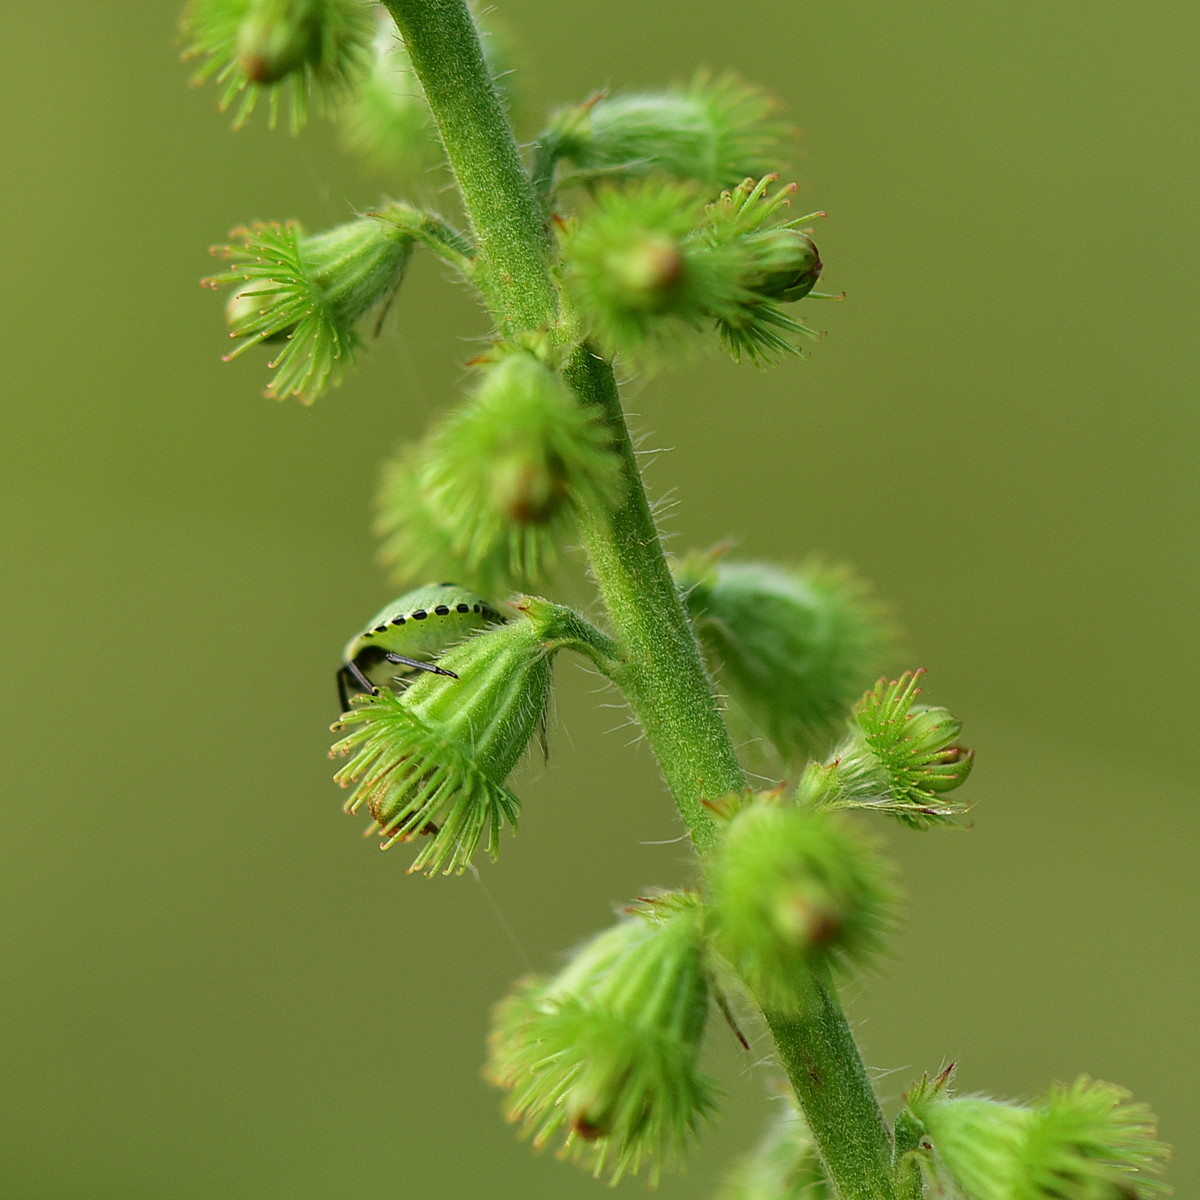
513 241
662 672
827 1074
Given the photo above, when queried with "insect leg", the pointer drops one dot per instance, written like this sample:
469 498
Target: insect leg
343 695
420 666
363 682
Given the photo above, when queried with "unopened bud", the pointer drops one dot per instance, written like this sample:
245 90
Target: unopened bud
277 38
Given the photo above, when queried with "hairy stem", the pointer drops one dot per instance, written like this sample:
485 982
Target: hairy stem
510 231
663 675
661 670
827 1074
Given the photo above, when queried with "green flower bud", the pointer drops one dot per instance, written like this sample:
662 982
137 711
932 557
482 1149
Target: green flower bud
792 892
790 266
714 132
310 292
647 267
277 37
434 757
900 758
1082 1142
785 1166
283 50
605 1054
504 477
793 649
629 266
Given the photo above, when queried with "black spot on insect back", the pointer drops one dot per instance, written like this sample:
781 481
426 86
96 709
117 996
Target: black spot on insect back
462 608
381 629
419 615
442 610
397 620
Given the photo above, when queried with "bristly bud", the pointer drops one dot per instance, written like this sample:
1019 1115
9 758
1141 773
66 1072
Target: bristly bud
605 1054
277 49
504 476
647 266
792 648
1079 1142
776 263
714 132
433 759
793 891
785 1165
310 292
900 758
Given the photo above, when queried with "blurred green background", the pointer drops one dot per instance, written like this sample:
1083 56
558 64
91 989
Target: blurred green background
212 987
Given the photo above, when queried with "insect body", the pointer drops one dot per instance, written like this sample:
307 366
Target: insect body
408 634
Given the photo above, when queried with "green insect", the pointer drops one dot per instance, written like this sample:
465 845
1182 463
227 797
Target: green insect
408 634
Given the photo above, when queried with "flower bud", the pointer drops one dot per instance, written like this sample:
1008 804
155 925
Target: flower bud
793 891
792 648
435 756
715 132
899 758
289 50
505 475
310 292
1084 1141
790 266
647 267
606 1053
277 37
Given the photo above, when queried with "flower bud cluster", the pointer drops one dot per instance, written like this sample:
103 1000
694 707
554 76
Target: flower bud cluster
496 487
793 649
1085 1141
649 263
714 132
433 758
795 891
605 1053
900 758
309 292
286 51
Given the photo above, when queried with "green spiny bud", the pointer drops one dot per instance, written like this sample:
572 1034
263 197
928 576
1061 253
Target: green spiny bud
277 37
714 132
770 264
794 891
647 267
628 265
277 49
503 478
605 1054
792 648
785 1166
310 292
434 757
900 758
1079 1142
789 264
